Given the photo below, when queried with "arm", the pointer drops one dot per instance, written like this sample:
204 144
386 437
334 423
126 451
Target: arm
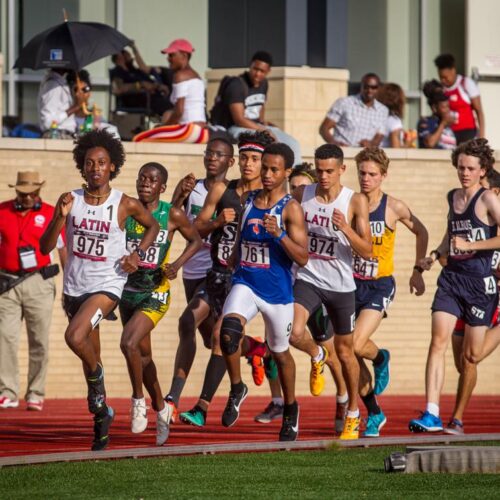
183 189
325 130
294 241
176 114
50 107
359 234
179 221
373 142
48 241
237 110
478 108
204 222
427 262
63 256
395 139
140 61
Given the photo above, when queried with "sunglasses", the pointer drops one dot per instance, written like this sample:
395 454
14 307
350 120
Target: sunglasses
373 87
85 89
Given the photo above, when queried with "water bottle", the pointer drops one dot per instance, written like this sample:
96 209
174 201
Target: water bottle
54 132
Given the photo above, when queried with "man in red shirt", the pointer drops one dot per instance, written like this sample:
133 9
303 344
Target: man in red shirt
27 289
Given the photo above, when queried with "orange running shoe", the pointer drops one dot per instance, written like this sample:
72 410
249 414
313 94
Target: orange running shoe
258 370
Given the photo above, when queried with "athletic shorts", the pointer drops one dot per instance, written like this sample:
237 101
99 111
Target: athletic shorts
71 305
472 299
278 318
153 304
195 288
319 325
375 294
339 305
459 330
218 286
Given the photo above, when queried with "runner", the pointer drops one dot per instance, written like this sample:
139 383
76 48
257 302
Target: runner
96 270
272 235
332 211
146 297
466 286
375 285
224 200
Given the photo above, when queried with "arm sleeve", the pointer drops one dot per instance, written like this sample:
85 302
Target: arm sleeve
471 87
234 92
337 110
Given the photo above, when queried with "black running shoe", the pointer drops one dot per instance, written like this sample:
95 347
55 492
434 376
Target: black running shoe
290 426
96 396
101 430
232 410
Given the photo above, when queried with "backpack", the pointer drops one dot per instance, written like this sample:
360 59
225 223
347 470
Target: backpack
220 114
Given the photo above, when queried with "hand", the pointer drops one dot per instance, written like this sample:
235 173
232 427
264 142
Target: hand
339 220
187 184
170 271
426 263
364 143
271 225
270 132
417 283
64 205
149 86
448 119
460 243
130 263
226 216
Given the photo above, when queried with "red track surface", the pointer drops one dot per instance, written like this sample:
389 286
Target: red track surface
65 425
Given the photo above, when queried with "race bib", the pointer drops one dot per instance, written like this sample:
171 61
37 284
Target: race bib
255 255
90 246
224 250
322 247
495 260
490 285
365 269
152 253
475 234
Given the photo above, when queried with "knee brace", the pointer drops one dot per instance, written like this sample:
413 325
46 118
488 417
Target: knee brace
231 333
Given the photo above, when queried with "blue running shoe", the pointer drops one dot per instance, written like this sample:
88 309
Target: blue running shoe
426 423
382 376
373 425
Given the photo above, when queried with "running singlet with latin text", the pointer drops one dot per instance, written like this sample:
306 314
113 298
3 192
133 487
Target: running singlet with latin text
264 266
95 245
150 273
383 239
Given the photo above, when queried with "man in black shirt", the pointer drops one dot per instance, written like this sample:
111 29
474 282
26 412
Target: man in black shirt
240 104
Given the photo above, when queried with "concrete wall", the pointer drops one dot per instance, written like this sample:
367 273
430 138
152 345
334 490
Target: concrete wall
419 177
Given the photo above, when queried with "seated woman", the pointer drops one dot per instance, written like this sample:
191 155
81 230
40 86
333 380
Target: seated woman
434 131
392 96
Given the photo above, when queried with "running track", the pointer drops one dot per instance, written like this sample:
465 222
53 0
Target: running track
66 426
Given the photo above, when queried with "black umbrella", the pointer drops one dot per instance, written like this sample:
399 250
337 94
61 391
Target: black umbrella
71 45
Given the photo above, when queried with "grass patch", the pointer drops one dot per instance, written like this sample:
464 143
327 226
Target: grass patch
336 473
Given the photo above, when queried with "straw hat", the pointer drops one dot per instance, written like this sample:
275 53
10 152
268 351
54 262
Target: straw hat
27 182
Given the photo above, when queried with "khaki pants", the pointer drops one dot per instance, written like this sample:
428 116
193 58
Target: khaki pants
32 300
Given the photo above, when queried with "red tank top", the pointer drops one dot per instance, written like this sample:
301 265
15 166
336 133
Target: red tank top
460 104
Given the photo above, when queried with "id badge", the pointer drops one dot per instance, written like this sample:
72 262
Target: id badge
28 258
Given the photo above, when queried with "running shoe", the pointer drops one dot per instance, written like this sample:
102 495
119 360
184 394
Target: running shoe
101 430
373 425
232 410
34 404
163 420
426 423
138 416
271 368
290 426
340 414
6 402
382 375
175 413
194 417
96 395
455 427
258 371
317 379
351 428
272 412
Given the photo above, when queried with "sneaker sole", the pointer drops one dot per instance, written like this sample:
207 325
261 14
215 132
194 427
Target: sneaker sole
379 429
453 432
414 427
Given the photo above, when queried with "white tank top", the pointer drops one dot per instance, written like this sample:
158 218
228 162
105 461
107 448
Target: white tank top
95 245
198 265
330 255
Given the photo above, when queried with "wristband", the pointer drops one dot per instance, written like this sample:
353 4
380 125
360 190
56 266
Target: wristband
419 269
280 237
438 254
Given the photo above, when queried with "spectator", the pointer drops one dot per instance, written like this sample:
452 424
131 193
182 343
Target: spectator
188 89
57 105
303 174
136 88
465 101
240 103
434 131
357 120
392 96
27 289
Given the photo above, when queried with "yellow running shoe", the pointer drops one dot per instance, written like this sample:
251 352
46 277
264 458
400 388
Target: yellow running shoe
351 428
316 378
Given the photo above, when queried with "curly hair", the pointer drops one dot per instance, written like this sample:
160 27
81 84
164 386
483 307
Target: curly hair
260 137
99 139
434 92
283 150
445 61
377 155
305 169
392 96
478 148
327 151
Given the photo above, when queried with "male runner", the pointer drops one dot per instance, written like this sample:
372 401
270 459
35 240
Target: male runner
338 224
96 270
271 236
375 285
146 297
190 194
466 285
224 200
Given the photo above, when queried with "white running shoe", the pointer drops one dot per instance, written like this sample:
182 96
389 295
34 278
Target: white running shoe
139 416
163 419
6 402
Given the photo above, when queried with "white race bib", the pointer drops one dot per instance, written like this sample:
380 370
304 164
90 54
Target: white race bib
322 247
364 269
90 246
255 255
